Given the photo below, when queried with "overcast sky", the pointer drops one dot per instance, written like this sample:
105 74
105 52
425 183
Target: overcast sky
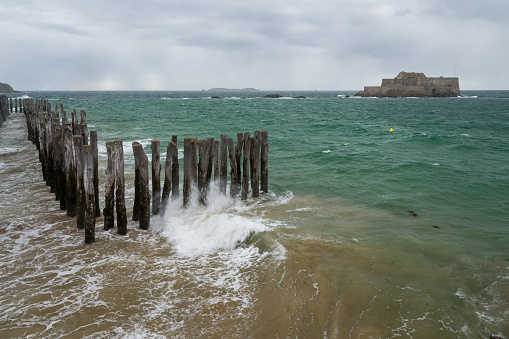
266 44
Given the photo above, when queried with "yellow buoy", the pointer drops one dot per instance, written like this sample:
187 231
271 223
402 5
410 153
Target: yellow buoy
390 130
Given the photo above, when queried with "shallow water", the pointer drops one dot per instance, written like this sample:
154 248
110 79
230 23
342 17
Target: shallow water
331 251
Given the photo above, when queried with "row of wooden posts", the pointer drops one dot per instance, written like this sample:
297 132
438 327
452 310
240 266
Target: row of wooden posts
13 105
70 167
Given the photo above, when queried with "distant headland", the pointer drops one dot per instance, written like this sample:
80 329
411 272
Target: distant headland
410 84
6 88
233 90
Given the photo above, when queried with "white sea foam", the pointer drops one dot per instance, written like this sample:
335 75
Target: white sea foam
202 229
327 151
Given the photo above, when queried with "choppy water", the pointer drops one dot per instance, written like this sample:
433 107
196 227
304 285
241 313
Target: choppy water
331 251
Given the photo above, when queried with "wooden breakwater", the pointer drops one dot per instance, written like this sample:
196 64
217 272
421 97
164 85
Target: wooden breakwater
68 153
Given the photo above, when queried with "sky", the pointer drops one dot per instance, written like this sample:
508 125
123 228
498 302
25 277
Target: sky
265 44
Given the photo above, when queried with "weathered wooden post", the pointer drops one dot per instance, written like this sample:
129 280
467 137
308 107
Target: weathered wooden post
52 164
58 148
88 176
120 189
70 172
233 168
194 161
223 165
141 161
168 172
83 116
109 198
255 164
204 151
215 150
245 166
10 105
74 123
212 158
156 176
16 105
83 129
80 192
238 159
175 179
93 143
188 170
264 177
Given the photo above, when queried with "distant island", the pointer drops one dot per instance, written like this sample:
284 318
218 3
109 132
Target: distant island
233 90
411 84
6 88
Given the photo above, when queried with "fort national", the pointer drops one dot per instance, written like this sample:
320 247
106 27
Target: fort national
410 84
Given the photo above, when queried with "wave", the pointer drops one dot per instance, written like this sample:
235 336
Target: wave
198 229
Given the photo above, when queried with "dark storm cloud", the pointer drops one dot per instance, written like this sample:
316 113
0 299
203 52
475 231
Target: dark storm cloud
324 44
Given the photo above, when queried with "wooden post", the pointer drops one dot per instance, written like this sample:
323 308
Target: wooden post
93 143
215 149
49 152
83 128
80 192
255 165
194 161
88 176
70 172
245 166
74 123
188 170
156 176
52 165
58 147
238 159
141 161
109 198
168 172
204 151
233 168
83 115
212 158
264 180
120 189
16 105
175 180
223 165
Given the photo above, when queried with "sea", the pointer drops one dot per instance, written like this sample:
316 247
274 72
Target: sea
385 218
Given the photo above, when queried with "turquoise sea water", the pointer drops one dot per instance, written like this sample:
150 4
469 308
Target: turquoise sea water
365 232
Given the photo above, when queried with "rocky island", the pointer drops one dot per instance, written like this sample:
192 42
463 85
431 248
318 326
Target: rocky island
6 88
410 84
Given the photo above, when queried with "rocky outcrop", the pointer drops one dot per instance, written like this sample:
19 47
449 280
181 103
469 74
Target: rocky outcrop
274 96
6 88
413 85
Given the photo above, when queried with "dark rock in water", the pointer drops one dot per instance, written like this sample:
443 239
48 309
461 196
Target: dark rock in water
496 337
347 96
215 97
6 88
300 97
412 213
273 96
